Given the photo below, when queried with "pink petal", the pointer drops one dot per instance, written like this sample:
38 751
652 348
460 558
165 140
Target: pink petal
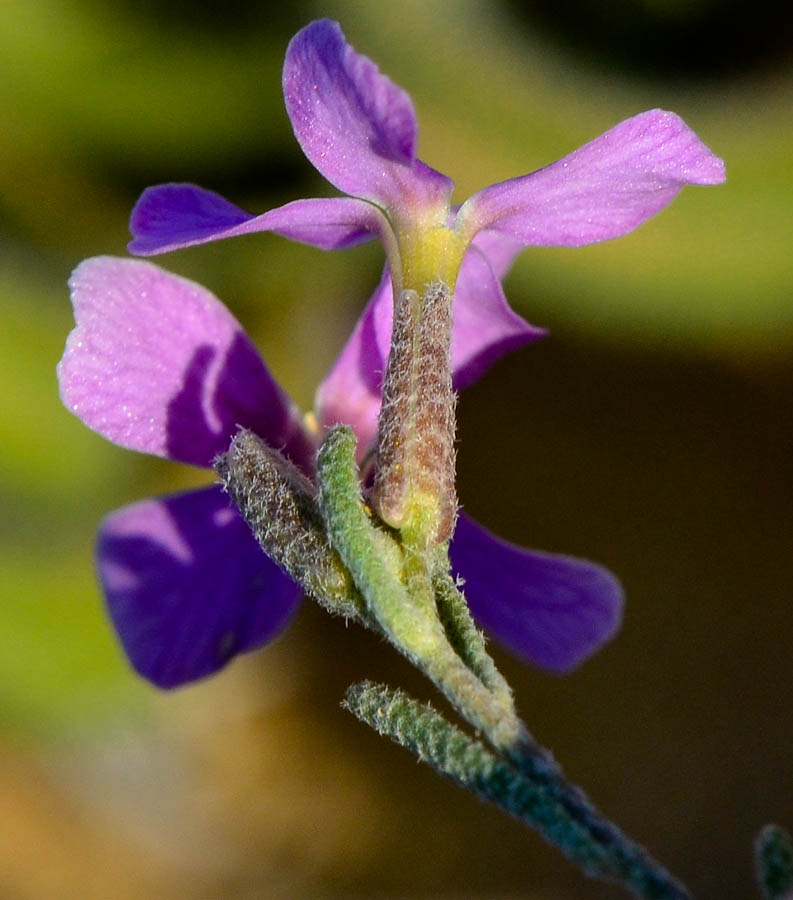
172 216
350 393
554 611
354 124
188 587
485 329
156 363
603 190
499 249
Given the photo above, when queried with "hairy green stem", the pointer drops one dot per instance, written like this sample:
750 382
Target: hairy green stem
491 777
461 629
395 583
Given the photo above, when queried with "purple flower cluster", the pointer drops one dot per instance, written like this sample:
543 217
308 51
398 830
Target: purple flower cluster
156 363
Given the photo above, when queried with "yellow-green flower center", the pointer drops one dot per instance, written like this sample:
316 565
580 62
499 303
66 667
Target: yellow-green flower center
429 253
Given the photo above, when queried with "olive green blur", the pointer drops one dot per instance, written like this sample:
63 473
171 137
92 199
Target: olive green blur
653 432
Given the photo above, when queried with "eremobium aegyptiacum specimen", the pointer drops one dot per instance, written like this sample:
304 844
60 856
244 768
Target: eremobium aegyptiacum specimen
355 503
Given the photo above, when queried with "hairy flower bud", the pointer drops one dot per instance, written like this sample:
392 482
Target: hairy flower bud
278 502
414 478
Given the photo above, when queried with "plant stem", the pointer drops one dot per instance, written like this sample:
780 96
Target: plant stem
491 777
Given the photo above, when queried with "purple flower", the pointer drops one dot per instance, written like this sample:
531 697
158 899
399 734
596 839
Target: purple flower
156 363
359 130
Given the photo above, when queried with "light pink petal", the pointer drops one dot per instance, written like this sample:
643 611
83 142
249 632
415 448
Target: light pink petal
156 363
188 587
354 124
485 329
171 216
604 190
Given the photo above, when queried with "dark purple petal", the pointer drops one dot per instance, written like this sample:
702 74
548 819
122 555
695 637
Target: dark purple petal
156 363
354 124
554 611
188 587
603 190
485 327
172 216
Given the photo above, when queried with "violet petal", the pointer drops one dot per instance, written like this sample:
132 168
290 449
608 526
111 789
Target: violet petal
157 363
171 216
350 392
188 587
603 190
353 123
554 611
485 327
499 249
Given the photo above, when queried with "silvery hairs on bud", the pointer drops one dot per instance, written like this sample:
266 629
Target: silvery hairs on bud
415 453
279 504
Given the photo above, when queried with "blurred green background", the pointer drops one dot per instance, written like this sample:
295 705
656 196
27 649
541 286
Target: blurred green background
651 432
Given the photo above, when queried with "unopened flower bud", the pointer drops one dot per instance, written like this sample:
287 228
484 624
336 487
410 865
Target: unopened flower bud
278 502
414 479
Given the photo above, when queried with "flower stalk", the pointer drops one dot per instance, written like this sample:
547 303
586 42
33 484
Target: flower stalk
412 600
529 798
395 582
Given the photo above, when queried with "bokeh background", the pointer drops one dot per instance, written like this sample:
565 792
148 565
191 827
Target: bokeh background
651 432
